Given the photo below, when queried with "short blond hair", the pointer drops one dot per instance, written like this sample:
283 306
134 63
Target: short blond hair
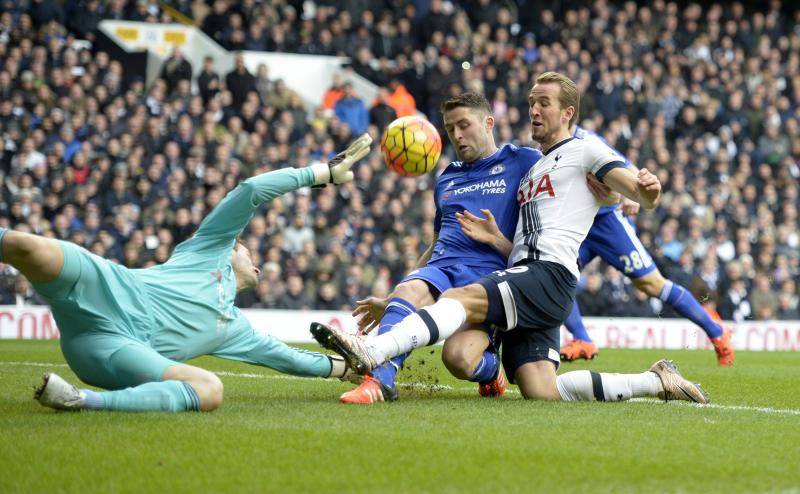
569 94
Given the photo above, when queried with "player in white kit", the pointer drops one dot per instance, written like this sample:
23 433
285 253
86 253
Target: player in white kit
529 301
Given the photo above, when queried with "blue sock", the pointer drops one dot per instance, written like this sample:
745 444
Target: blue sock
574 324
164 396
487 368
397 310
684 304
2 234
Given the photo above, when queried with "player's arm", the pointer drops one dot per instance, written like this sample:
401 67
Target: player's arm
607 197
426 256
611 169
245 345
233 213
642 187
484 230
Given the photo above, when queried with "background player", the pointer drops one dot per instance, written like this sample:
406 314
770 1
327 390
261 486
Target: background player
531 300
128 330
484 177
613 238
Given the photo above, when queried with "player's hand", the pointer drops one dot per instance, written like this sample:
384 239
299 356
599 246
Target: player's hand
628 207
482 230
370 312
598 189
337 171
649 187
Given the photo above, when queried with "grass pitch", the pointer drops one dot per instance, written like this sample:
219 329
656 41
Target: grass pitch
279 434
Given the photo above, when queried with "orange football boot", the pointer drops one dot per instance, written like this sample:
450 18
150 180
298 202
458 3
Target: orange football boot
724 348
577 349
494 388
368 392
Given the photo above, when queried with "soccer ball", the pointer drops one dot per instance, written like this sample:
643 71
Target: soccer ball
411 146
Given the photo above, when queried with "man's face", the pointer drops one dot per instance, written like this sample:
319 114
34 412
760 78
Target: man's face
246 273
470 132
547 116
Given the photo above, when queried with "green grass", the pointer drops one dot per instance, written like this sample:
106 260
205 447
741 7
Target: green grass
279 435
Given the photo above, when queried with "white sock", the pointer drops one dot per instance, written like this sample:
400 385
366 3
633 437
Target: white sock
587 386
425 327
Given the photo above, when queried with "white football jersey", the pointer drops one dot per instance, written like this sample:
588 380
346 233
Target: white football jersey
556 206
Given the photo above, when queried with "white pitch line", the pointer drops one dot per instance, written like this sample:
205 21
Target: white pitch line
447 387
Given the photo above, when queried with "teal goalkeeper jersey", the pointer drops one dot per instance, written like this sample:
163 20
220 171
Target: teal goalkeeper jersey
191 296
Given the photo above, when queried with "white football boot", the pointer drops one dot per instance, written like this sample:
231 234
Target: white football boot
57 393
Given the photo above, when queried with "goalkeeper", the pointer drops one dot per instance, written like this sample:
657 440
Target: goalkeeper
129 330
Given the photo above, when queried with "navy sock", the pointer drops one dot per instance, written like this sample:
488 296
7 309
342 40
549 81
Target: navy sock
574 324
397 310
487 368
684 304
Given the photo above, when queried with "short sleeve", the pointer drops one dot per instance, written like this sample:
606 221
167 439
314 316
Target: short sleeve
597 155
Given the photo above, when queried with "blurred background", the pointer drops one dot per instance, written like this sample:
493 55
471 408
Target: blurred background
123 122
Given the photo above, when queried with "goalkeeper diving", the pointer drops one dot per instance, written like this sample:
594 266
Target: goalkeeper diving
129 331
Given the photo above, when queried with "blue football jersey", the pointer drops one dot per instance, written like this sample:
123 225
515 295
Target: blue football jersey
489 183
581 133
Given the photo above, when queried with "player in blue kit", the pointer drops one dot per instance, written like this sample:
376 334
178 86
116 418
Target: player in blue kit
613 238
129 330
483 181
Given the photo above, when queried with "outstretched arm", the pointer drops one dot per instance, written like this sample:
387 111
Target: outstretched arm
234 212
245 345
484 230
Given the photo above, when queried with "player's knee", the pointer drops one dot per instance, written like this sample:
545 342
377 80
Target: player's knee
537 381
415 292
19 245
651 284
458 361
209 389
531 391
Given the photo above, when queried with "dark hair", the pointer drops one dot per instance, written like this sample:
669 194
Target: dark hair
468 100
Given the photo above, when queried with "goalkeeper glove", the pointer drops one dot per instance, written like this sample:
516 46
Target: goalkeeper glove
337 170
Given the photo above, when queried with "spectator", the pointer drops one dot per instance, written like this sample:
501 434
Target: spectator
334 93
295 297
593 300
239 82
352 111
401 100
208 80
763 300
175 69
381 113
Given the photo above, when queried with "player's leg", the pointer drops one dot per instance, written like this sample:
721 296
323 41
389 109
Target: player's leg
529 356
137 378
429 325
455 308
684 303
662 381
40 259
581 345
471 355
406 298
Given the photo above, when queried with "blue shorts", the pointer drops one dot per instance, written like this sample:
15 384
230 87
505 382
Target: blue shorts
613 238
442 278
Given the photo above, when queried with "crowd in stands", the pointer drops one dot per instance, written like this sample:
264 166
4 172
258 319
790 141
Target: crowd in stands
705 95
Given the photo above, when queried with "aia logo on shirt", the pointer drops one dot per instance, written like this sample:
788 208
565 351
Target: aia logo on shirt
528 190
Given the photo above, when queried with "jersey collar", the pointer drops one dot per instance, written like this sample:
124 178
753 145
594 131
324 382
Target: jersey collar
558 145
